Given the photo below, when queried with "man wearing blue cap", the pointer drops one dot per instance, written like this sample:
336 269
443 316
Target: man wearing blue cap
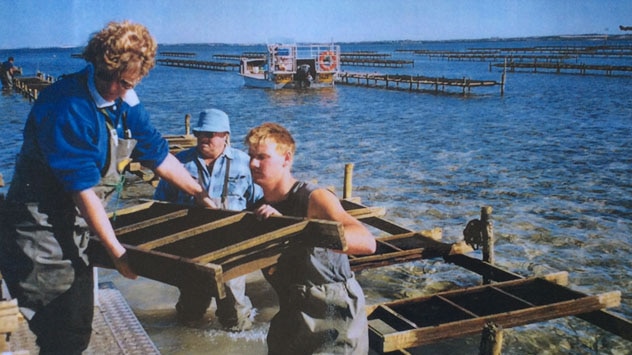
224 172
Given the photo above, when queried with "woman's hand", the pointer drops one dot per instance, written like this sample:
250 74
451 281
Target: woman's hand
122 265
202 198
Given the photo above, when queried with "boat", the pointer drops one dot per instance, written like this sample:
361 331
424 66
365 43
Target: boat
292 66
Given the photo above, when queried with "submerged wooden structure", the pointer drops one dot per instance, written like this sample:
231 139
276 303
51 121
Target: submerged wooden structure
424 320
505 299
417 83
370 62
561 67
198 64
31 86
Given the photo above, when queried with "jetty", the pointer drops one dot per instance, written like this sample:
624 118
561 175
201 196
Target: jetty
31 86
255 55
417 83
385 63
490 55
560 67
178 54
364 54
198 64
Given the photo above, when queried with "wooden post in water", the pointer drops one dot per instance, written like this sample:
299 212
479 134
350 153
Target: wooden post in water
187 124
502 79
487 229
348 182
491 340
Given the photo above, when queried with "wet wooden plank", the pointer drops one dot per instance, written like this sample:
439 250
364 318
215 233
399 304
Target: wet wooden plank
465 312
406 247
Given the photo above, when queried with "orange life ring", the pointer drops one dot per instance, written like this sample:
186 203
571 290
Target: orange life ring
327 61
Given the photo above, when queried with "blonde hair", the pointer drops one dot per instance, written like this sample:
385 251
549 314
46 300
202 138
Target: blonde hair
271 132
121 46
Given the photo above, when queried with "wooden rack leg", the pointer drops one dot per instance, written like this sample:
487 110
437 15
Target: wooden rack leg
488 237
348 182
491 340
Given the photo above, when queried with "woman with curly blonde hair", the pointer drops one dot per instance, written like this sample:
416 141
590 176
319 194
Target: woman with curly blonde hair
80 134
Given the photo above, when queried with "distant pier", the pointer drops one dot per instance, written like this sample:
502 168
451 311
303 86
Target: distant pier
239 56
178 54
491 55
545 59
416 83
364 55
384 63
198 64
560 67
31 86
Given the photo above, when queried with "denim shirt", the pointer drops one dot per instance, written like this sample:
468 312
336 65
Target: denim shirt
242 191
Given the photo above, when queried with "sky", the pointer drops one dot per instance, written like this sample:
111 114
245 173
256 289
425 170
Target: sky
55 23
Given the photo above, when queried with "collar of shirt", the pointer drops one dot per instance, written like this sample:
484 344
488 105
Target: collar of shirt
130 95
228 153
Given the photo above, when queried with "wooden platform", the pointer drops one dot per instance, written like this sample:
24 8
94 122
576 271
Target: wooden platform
31 86
416 83
198 64
414 322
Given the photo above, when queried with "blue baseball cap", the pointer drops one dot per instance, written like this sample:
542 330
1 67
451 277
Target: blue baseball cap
212 120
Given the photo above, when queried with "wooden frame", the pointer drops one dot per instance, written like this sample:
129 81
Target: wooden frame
197 247
417 321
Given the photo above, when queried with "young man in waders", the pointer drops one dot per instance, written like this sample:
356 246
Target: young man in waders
79 136
321 305
222 171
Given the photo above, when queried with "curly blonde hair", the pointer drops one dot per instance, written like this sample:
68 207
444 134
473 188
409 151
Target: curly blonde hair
271 132
121 46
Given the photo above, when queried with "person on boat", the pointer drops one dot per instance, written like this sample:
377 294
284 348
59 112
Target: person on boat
321 305
223 171
6 73
78 138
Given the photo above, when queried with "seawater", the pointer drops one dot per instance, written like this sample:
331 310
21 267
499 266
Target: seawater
553 157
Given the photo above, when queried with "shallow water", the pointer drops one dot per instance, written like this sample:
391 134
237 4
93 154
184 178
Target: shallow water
553 157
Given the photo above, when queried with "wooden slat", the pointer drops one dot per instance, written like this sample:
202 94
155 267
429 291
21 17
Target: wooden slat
611 322
191 232
377 222
151 221
392 318
374 261
456 306
141 206
253 242
166 268
367 212
405 247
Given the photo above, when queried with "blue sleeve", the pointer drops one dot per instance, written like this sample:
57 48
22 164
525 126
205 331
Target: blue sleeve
165 192
168 192
70 140
151 149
